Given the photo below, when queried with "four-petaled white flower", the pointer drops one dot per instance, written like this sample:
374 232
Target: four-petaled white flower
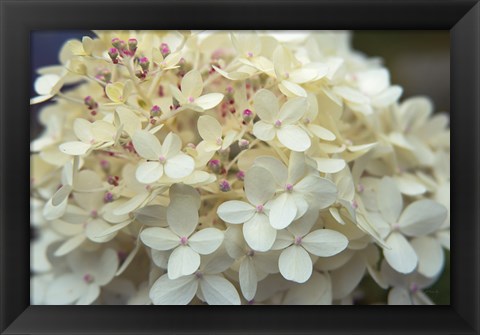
211 132
190 95
420 218
259 189
82 286
299 187
182 218
298 241
92 135
208 284
166 157
281 123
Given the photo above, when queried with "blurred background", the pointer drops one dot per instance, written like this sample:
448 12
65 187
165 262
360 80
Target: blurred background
418 60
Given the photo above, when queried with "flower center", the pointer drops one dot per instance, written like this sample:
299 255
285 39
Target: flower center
298 240
250 253
184 240
191 99
259 209
162 159
354 204
94 214
414 287
360 188
199 275
289 187
88 278
278 124
249 54
219 141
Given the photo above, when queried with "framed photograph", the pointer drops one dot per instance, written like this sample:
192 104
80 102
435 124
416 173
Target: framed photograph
292 157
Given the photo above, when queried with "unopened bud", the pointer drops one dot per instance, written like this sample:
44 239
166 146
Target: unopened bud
240 175
215 165
224 186
140 74
113 53
132 44
155 111
247 115
144 63
90 102
243 144
164 49
108 197
105 165
118 43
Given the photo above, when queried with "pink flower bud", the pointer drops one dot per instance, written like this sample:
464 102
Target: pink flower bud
224 186
247 115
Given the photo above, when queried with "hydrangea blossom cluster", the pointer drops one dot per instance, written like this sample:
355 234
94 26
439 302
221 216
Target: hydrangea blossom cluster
233 168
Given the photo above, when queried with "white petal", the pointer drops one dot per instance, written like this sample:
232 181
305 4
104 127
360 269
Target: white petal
248 278
69 245
430 256
65 290
159 238
235 211
179 166
294 138
321 192
173 292
209 101
147 145
209 128
263 131
206 240
401 256
83 130
258 232
293 110
346 278
95 231
131 204
399 296
282 211
324 242
389 199
330 165
172 144
295 264
61 195
275 167
182 216
291 89
373 81
219 291
422 217
321 132
44 85
74 148
149 172
182 262
316 291
91 294
105 267
259 185
192 84
410 186
266 106
387 97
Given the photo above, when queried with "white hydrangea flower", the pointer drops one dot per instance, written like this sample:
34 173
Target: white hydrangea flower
298 189
259 189
298 241
190 95
182 218
211 132
395 224
90 272
93 136
166 157
207 284
281 123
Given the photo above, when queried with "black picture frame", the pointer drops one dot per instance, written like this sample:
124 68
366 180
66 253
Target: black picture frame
19 17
